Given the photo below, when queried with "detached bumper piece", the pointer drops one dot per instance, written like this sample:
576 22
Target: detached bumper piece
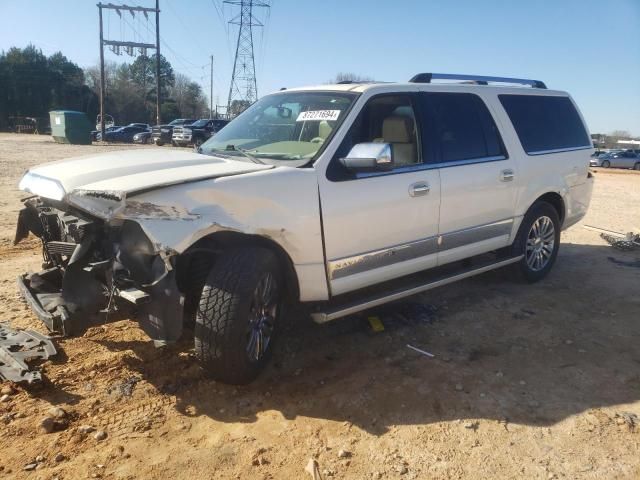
18 347
66 304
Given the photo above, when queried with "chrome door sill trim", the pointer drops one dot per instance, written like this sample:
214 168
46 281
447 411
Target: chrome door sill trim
327 316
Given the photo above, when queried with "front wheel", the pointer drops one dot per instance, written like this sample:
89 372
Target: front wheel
538 241
636 166
238 313
606 164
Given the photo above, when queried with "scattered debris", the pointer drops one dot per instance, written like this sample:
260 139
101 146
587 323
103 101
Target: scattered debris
86 429
100 435
376 324
59 457
628 418
5 398
459 387
124 388
622 241
343 454
18 347
471 425
423 352
30 466
313 470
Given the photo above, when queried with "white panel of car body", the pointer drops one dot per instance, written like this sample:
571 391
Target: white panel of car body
255 203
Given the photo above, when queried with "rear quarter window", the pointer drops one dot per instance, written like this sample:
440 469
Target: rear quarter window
545 123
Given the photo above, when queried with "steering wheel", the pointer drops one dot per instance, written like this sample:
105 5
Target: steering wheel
317 140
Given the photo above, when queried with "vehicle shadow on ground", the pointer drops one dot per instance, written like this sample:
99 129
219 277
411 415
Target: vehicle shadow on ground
526 354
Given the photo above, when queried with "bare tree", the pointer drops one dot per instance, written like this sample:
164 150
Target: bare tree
350 77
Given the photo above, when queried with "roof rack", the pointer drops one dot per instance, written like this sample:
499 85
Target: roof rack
478 79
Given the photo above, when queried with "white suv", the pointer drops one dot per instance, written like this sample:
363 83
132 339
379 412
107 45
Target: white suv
343 197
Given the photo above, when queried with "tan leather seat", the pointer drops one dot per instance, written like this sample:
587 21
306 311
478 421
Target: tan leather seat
324 129
399 132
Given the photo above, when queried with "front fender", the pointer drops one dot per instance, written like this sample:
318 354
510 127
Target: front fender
281 205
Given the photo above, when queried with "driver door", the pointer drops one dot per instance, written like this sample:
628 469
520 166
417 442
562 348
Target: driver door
381 225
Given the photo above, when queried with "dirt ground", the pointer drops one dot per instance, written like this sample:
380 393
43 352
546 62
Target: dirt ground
528 381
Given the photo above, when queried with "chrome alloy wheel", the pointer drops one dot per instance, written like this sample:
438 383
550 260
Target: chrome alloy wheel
540 243
262 317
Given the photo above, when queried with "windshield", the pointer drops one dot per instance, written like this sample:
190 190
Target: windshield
282 129
200 123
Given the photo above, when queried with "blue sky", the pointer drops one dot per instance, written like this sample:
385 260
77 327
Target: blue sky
589 48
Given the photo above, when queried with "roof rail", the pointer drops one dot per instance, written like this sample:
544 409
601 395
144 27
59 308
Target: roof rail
480 80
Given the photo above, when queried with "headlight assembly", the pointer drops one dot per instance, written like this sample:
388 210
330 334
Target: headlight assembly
42 186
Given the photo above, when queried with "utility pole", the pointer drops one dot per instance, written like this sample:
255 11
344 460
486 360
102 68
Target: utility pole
157 62
129 48
101 77
243 86
211 91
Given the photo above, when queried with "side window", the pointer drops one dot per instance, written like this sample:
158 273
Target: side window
545 123
460 127
384 119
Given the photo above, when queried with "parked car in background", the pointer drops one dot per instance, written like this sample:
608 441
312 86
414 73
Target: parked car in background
627 159
123 134
94 133
162 134
142 137
197 133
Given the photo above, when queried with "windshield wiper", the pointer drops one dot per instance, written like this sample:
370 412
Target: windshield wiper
233 148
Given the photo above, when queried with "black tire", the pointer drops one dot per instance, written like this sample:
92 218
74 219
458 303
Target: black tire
159 144
225 311
538 211
636 166
606 164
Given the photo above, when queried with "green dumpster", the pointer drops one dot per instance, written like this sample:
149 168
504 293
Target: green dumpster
68 126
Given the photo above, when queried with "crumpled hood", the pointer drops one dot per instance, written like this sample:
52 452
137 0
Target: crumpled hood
128 171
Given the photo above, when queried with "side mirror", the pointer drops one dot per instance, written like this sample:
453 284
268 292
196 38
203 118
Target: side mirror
369 157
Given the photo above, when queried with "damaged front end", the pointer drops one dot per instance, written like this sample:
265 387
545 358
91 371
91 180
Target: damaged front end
97 269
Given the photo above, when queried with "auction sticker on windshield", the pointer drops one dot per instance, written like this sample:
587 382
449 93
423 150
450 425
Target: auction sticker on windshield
318 115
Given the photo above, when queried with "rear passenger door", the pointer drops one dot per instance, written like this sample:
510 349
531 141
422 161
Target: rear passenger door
477 177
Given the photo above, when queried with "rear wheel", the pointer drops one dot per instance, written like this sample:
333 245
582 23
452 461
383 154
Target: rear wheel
636 166
606 164
159 143
538 241
238 313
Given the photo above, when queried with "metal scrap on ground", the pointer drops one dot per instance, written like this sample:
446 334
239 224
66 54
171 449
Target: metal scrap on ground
17 347
622 241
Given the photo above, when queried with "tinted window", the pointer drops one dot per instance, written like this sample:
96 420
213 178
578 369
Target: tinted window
460 127
545 123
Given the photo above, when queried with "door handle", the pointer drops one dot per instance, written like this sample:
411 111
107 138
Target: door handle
506 175
418 189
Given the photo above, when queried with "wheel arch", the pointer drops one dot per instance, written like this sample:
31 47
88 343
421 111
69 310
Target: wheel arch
203 253
556 201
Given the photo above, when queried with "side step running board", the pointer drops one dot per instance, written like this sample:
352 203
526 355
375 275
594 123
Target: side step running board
380 299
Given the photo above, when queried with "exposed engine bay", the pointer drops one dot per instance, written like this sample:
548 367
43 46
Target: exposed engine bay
94 272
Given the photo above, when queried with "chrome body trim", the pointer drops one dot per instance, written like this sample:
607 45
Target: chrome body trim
471 235
559 150
431 166
343 267
323 317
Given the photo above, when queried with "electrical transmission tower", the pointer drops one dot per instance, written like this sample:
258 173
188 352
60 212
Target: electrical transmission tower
244 90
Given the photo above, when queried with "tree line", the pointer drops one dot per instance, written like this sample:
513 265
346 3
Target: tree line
32 84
